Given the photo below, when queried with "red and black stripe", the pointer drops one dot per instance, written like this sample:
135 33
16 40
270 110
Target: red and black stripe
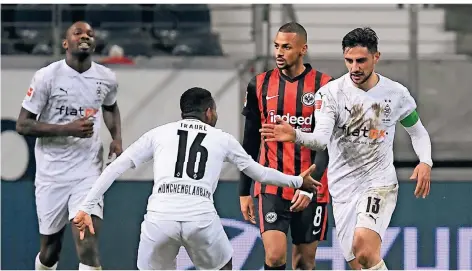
285 97
263 98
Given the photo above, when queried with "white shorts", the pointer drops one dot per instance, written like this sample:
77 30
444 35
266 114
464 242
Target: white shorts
205 241
372 209
58 202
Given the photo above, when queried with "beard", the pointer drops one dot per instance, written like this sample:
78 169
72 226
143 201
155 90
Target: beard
364 80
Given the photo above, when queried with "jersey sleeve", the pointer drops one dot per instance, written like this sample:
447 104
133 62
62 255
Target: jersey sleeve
244 162
321 162
110 99
251 106
142 150
325 118
251 138
38 93
321 158
421 141
236 154
407 109
103 183
325 79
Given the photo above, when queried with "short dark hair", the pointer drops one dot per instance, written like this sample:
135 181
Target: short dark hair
294 27
364 37
196 100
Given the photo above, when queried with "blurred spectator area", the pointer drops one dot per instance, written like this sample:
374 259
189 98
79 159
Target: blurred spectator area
145 30
439 30
216 30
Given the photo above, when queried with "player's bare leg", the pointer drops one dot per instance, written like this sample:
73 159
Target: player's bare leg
87 249
275 247
366 249
228 266
50 250
303 256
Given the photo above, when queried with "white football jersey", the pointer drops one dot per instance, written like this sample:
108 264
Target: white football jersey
188 158
58 95
361 144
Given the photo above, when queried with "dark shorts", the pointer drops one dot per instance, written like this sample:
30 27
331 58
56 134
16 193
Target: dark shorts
306 226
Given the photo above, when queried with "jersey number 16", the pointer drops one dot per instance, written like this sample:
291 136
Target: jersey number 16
195 149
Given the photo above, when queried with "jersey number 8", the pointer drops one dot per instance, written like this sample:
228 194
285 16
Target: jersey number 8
195 149
317 218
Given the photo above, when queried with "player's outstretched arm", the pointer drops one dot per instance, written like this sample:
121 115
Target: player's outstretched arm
83 219
272 176
325 117
138 153
239 157
284 132
422 146
106 179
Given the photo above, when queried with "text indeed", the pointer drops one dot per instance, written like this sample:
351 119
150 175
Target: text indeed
302 123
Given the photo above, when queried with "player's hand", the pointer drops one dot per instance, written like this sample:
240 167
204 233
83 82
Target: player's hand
299 202
82 220
309 184
82 127
247 209
422 174
282 131
116 147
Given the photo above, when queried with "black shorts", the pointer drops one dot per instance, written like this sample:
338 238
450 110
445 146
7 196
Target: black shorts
306 226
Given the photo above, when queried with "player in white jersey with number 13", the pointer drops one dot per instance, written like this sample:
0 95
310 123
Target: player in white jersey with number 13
355 119
188 158
63 109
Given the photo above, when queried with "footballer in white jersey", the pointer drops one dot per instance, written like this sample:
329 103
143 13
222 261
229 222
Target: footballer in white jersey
355 119
63 108
188 157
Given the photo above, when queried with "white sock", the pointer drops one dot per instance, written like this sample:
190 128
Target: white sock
380 266
39 266
86 267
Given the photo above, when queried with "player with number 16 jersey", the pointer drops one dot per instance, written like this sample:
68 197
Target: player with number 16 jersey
188 159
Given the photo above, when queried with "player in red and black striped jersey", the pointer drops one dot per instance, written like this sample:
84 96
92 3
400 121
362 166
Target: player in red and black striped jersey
289 92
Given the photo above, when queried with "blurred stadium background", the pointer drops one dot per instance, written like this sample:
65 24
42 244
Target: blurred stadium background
158 51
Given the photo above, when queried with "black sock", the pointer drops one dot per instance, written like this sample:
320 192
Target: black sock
282 267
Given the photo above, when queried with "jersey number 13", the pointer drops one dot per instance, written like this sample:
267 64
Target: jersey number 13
195 149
